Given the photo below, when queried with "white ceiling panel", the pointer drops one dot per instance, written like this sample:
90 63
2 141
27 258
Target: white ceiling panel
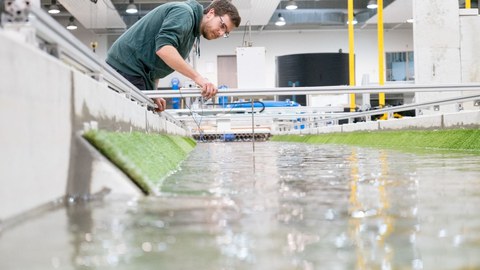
99 15
256 12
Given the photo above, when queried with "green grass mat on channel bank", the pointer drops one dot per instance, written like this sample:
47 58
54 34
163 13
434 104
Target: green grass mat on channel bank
146 158
446 139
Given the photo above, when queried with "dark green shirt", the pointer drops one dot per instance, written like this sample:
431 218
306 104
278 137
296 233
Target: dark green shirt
174 23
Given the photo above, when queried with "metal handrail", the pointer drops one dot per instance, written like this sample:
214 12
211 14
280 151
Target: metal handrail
320 117
406 107
48 30
300 112
372 89
335 117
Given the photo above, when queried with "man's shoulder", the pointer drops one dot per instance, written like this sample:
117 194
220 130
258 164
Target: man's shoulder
178 9
186 6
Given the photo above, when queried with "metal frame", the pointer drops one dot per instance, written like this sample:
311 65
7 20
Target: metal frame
319 116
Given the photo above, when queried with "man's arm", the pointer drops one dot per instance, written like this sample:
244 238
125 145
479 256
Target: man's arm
173 59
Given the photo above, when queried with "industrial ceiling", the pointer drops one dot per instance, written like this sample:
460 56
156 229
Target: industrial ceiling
110 16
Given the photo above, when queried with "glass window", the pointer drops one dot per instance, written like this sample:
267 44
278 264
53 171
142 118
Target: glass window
400 66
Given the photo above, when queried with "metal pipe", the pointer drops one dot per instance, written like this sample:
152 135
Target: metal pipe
411 88
335 117
51 31
404 107
253 126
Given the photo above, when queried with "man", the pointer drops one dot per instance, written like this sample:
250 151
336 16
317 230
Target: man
159 43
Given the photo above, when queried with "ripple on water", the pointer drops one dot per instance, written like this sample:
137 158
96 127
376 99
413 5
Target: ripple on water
286 206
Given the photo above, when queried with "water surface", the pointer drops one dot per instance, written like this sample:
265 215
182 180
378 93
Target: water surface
284 206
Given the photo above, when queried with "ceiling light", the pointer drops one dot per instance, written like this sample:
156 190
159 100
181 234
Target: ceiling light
53 9
372 4
411 20
291 5
280 21
71 25
132 8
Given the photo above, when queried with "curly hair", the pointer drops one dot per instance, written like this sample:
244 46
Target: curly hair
223 7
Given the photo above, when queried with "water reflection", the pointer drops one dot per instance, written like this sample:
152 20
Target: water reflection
370 222
284 206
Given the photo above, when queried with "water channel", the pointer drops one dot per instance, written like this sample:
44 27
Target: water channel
282 206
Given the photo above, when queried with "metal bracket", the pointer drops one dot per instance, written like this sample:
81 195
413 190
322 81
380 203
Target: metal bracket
51 49
459 106
97 76
14 11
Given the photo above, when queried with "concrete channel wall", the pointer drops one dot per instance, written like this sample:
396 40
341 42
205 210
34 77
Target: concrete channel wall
463 119
44 106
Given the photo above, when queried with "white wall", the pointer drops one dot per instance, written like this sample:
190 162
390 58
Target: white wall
284 43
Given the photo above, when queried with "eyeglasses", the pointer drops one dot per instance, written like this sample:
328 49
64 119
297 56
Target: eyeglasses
224 28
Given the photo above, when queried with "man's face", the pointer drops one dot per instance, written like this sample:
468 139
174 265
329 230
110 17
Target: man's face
214 26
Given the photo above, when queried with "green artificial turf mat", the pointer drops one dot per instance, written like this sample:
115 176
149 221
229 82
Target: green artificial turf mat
146 158
448 139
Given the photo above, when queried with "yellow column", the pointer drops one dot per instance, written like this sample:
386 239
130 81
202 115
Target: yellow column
381 54
468 3
351 53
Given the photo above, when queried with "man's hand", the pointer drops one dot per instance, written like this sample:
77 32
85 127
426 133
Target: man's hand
161 104
172 58
209 89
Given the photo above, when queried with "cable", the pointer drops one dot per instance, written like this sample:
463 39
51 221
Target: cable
244 33
202 103
239 103
200 130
